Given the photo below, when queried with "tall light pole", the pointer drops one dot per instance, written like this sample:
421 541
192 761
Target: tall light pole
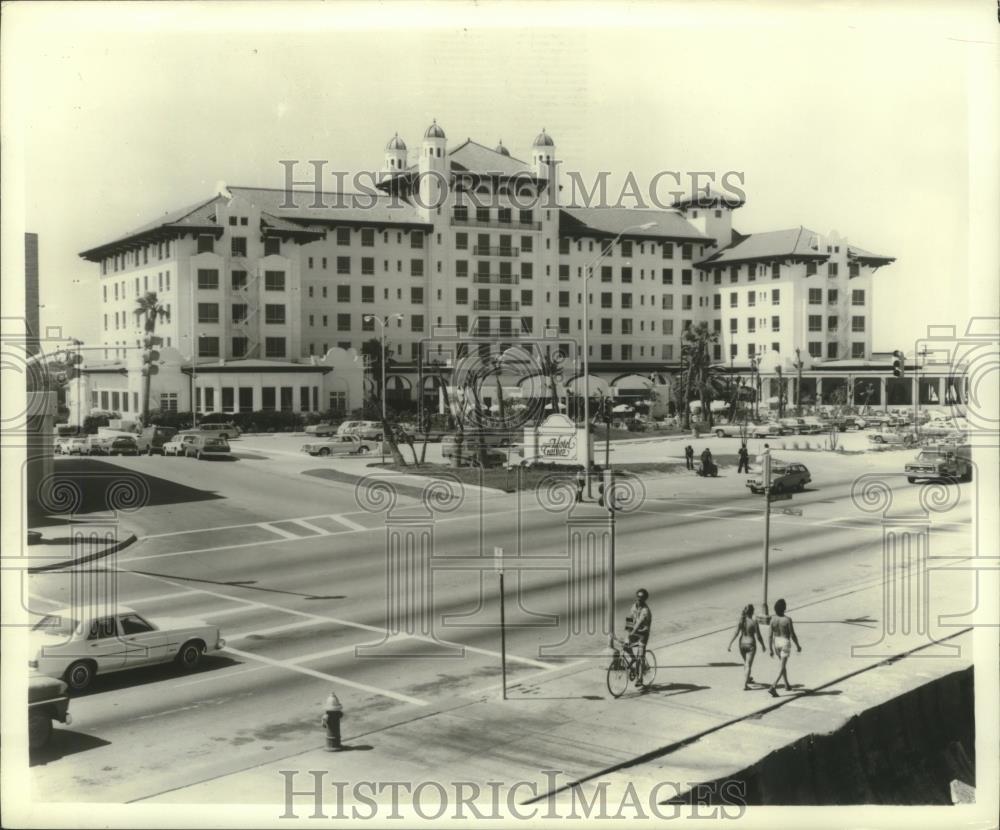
383 322
586 338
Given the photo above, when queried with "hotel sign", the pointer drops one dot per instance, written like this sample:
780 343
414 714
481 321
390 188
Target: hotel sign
557 440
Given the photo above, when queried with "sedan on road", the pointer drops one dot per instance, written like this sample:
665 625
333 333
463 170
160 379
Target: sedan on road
338 445
201 446
893 439
175 446
76 446
731 430
122 445
76 645
784 478
767 429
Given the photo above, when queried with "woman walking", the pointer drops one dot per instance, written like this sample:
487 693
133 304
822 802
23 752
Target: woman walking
749 633
780 639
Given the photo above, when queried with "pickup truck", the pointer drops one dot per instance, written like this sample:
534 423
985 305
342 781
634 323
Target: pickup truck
948 462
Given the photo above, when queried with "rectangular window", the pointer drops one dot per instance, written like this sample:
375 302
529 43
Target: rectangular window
854 270
626 351
831 322
527 271
367 293
343 236
240 345
686 276
462 241
563 272
626 247
343 293
238 246
751 325
206 244
606 351
627 326
417 295
274 347
274 280
832 296
274 314
686 302
751 349
831 350
343 322
267 398
686 251
668 276
272 246
858 350
606 323
564 246
775 270
815 322
831 269
239 312
857 324
733 325
667 302
810 270
367 237
416 239
626 300
626 274
527 298
367 265
208 279
416 323
416 267
717 302
668 250
752 299
858 296
775 323
734 299
168 401
605 299
815 348
343 265
367 323
775 296
815 296
563 299
208 347
208 312
239 280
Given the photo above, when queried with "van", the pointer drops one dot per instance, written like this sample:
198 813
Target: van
150 440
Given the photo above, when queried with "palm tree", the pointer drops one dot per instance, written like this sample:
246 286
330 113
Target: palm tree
149 310
371 351
550 368
702 376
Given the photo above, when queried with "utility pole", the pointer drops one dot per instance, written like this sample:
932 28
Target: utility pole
767 525
798 381
498 561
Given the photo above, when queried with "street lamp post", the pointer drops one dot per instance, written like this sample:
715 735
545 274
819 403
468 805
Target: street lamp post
756 387
586 339
383 321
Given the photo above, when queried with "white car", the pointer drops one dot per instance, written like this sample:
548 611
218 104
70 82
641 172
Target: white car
177 444
338 445
76 645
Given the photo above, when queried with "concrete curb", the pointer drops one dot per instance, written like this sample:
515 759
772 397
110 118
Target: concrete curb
91 557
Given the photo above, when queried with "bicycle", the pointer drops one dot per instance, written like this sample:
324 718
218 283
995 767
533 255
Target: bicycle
623 668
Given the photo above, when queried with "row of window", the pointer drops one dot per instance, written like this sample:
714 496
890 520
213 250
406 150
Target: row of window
832 322
121 319
141 286
832 296
136 257
208 280
751 325
504 216
627 248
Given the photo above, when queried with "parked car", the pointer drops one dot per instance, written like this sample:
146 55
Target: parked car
175 446
731 430
224 430
767 429
97 444
368 430
77 445
785 477
152 439
812 426
47 701
77 644
338 445
122 445
893 439
320 430
197 445
846 422
944 461
61 446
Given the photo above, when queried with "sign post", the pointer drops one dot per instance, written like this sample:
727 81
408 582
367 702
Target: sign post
767 525
498 563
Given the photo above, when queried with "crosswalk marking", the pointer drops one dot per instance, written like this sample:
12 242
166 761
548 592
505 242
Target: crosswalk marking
331 678
223 612
274 629
346 522
279 530
310 526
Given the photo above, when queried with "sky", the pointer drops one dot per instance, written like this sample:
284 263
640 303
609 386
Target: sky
867 119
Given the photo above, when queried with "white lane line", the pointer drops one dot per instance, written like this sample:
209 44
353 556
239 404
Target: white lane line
347 522
310 526
274 629
513 657
221 674
333 652
237 527
222 612
701 512
280 531
834 519
330 678
158 597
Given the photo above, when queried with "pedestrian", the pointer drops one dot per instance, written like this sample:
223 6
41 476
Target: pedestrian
581 481
780 639
706 462
689 456
749 633
744 456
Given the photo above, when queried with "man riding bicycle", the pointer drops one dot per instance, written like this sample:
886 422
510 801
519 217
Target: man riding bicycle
638 624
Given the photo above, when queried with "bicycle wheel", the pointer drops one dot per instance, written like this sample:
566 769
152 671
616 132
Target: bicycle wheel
617 676
648 668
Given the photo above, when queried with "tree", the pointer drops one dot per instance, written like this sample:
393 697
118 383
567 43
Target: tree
701 377
372 351
149 310
550 368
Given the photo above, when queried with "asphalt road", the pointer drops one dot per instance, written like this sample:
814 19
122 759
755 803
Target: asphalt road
294 571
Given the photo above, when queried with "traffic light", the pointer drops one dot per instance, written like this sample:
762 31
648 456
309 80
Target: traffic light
898 365
606 491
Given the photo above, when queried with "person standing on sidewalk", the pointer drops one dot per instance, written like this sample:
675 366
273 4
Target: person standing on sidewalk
581 482
689 456
780 639
744 456
749 633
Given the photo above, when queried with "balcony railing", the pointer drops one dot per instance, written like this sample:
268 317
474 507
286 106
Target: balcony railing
485 250
495 305
514 224
496 279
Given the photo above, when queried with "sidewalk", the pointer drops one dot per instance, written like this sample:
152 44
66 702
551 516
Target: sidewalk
695 723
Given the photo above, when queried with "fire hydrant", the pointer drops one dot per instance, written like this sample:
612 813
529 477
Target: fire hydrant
331 722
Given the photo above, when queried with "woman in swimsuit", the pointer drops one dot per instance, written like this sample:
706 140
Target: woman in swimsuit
780 639
746 630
